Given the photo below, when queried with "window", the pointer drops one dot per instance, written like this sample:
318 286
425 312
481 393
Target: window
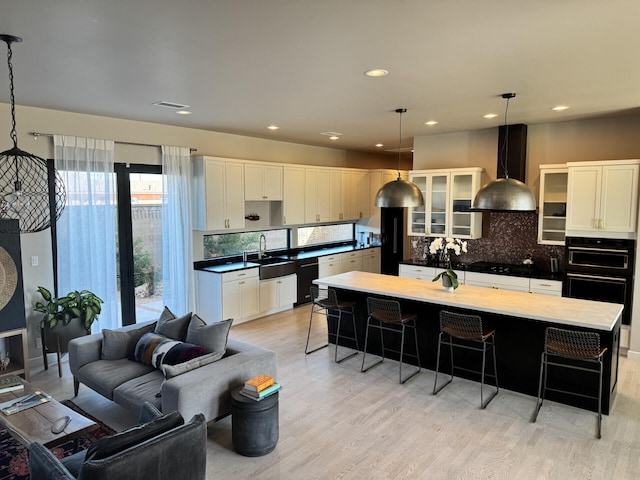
229 244
325 234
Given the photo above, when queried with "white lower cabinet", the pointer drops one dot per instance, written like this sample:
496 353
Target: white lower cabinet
416 271
228 295
278 293
546 287
329 265
351 261
371 260
503 282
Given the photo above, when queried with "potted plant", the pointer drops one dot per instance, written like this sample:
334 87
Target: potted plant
445 247
84 305
58 325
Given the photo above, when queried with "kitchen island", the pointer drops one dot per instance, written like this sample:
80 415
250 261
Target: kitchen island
519 318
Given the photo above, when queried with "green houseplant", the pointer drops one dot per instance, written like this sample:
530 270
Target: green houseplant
84 305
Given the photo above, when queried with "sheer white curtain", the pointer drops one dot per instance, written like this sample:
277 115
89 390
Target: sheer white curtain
177 269
87 228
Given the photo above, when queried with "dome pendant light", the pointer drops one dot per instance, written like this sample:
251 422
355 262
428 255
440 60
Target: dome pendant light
26 181
505 194
399 192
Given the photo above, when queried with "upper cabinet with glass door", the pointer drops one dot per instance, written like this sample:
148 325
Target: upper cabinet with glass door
552 204
448 198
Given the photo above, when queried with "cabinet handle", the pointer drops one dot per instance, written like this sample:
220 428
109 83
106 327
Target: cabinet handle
240 283
284 220
241 274
264 197
545 285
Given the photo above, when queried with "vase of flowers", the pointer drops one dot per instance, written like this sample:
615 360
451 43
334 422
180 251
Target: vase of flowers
445 247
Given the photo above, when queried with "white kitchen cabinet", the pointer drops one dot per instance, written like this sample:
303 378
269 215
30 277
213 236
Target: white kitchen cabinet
351 261
371 260
228 295
336 201
355 194
329 265
416 271
602 198
448 196
278 293
545 287
218 194
504 282
552 204
317 206
262 182
293 196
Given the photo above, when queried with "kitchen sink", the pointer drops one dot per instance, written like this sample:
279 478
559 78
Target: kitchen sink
272 267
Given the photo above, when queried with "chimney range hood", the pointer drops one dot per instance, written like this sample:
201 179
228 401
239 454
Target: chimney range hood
508 194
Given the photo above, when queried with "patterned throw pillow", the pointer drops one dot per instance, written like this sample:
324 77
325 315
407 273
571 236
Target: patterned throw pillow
157 350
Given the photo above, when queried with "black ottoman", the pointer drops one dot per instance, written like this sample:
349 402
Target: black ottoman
254 425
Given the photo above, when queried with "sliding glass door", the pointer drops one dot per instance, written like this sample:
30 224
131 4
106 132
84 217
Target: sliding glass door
140 241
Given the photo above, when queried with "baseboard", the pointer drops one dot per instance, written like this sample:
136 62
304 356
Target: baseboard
633 355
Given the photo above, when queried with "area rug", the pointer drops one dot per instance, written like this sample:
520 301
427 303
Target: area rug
14 457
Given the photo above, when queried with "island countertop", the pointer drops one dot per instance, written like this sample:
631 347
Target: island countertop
545 308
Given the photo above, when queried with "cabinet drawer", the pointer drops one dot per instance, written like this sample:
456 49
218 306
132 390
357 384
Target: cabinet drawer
351 255
240 274
416 271
549 287
329 258
505 282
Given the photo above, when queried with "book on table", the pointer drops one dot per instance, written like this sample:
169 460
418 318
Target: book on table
257 396
22 403
11 383
259 383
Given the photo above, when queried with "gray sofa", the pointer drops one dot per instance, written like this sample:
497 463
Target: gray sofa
205 389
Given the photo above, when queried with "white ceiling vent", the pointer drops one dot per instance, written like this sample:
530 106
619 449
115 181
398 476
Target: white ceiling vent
176 106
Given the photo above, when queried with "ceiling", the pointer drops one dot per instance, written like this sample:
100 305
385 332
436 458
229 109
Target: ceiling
242 65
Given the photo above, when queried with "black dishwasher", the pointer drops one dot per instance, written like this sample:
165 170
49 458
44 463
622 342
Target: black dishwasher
307 273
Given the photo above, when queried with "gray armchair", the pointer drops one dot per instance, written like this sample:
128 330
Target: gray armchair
161 447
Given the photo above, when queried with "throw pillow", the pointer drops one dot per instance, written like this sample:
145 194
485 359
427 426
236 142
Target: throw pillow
171 371
156 350
117 344
108 446
212 336
173 327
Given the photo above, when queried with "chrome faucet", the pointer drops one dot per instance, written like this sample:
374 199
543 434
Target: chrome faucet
263 249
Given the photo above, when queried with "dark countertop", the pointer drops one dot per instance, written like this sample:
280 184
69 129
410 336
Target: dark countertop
514 270
236 263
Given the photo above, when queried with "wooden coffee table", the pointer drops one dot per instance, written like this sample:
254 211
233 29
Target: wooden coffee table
34 424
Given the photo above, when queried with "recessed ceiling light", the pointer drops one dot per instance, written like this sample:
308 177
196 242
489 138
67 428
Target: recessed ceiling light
431 123
273 127
183 112
376 72
379 145
559 108
334 137
490 115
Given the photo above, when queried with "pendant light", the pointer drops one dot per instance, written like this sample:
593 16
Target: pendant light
505 194
26 181
399 192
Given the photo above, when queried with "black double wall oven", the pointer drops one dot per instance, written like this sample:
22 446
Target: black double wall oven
600 269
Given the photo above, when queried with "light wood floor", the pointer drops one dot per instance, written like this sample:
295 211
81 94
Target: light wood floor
338 423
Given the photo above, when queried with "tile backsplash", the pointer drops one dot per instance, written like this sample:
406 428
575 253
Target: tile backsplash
507 238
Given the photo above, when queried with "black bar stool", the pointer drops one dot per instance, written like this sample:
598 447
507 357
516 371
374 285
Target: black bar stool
325 302
574 350
387 315
468 331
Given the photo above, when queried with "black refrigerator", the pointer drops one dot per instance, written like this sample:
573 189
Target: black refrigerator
392 239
